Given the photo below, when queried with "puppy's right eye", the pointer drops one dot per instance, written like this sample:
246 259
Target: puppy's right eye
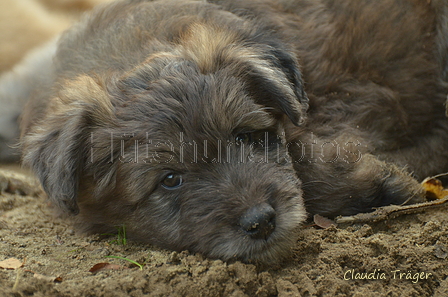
172 181
244 137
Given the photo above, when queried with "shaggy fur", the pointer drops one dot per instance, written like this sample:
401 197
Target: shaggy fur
174 117
377 91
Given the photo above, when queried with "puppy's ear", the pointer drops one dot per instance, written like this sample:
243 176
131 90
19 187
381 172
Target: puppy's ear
275 80
57 147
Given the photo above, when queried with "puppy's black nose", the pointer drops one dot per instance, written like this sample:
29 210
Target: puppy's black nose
259 221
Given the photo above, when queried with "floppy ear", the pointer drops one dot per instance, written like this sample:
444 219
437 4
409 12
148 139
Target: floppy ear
275 80
290 66
56 148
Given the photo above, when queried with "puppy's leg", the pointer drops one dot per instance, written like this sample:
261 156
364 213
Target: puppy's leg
16 88
341 177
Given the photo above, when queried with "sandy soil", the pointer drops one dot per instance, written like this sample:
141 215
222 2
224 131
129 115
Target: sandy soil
404 256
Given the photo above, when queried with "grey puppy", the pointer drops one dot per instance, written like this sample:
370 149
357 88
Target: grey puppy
179 119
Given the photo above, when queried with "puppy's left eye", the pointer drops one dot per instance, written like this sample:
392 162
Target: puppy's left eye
172 181
244 137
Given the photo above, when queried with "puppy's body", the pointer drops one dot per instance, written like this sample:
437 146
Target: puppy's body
377 90
169 117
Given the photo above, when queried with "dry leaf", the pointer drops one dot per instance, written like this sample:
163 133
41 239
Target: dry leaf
48 278
105 266
434 188
323 222
11 263
440 251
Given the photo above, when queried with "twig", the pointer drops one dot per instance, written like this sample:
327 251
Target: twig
392 211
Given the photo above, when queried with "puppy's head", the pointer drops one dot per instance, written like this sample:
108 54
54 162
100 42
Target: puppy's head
186 149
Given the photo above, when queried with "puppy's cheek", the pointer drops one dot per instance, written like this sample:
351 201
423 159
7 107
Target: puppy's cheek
154 219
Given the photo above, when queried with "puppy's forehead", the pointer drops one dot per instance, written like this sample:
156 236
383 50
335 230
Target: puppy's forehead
209 104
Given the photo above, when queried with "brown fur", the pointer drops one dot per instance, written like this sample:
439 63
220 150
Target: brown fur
148 92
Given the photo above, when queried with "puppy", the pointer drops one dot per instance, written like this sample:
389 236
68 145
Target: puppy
167 117
186 121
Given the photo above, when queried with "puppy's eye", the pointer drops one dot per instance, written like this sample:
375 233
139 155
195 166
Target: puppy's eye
244 137
172 181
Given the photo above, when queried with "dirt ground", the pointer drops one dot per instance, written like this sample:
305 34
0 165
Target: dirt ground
404 256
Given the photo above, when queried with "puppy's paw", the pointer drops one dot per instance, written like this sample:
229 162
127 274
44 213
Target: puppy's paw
351 188
399 187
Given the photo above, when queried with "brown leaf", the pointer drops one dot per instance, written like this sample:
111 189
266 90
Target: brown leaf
323 222
434 188
105 266
11 263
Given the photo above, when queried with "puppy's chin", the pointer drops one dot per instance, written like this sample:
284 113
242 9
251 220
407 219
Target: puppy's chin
227 243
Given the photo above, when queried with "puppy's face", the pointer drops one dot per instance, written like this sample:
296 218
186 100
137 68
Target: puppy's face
210 155
184 154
